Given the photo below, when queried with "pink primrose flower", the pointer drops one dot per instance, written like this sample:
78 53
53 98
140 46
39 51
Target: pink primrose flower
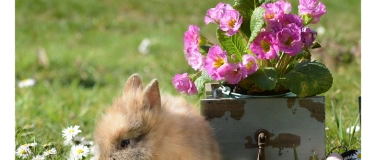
291 18
214 14
183 84
308 36
191 48
234 73
192 37
285 6
195 58
289 39
272 27
249 63
264 46
230 22
215 62
273 12
312 8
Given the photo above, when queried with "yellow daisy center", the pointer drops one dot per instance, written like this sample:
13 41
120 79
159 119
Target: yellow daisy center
71 131
359 156
23 151
79 151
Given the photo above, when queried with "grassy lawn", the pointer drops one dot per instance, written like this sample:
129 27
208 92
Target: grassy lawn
92 47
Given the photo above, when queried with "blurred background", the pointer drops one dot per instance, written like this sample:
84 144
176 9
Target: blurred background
80 54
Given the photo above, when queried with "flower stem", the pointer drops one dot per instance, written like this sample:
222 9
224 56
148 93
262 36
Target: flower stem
286 63
277 66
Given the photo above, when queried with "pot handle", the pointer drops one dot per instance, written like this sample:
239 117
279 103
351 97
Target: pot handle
261 136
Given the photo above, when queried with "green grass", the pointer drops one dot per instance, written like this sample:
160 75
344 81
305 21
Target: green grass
92 50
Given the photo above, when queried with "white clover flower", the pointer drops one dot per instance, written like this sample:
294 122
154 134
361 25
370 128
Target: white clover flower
50 152
70 132
78 152
26 83
350 129
38 157
23 151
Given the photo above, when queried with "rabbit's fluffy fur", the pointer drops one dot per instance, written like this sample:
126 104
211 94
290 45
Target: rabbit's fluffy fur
142 124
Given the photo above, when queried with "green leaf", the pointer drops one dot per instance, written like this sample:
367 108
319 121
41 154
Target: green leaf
245 7
266 1
308 78
257 23
234 44
265 78
204 49
338 121
200 82
304 54
351 136
316 45
314 155
244 29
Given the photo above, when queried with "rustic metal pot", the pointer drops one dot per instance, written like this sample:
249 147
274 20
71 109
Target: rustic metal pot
266 127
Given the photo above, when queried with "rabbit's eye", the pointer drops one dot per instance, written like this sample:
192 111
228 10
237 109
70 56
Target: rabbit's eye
125 143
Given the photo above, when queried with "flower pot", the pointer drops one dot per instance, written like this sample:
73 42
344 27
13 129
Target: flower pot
284 122
226 91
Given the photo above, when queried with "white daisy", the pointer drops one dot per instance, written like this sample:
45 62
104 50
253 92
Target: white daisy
90 143
350 129
38 157
94 152
144 47
81 140
23 151
92 149
68 142
70 132
26 83
30 144
354 156
78 140
50 152
79 151
46 145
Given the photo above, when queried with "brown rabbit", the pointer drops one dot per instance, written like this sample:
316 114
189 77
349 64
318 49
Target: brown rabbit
143 125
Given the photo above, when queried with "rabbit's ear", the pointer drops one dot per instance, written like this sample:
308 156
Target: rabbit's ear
133 83
152 95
